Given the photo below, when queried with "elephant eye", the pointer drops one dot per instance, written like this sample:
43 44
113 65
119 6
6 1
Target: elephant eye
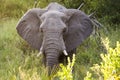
64 30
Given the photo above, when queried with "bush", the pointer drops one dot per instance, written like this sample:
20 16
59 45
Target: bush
65 73
103 8
109 68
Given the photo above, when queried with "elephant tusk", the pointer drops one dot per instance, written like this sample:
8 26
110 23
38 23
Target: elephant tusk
40 52
65 52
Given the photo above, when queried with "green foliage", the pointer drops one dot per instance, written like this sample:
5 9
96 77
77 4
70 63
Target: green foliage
87 55
110 10
12 56
13 8
65 73
29 74
109 68
9 60
105 9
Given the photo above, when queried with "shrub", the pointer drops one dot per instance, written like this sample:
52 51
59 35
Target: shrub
109 68
65 73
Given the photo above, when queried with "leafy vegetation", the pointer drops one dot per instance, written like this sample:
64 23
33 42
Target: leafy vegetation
106 9
66 71
109 68
18 60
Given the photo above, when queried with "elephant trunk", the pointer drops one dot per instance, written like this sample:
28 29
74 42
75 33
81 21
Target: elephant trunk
52 54
53 46
52 61
52 58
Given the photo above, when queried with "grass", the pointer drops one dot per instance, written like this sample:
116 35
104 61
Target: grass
14 8
19 62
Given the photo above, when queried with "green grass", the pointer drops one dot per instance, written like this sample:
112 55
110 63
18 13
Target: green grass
10 54
17 59
14 8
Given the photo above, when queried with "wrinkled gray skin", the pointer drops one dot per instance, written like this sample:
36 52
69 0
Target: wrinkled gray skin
55 29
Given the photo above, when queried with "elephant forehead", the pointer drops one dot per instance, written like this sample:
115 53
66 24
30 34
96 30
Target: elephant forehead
56 6
53 13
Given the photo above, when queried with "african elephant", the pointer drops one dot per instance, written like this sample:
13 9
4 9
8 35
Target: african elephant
55 30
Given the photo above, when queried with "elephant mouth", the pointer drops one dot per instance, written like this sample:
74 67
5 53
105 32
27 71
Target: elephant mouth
41 52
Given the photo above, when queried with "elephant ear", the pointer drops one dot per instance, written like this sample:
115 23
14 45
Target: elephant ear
79 28
28 27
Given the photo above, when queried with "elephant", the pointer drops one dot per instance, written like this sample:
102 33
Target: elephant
55 31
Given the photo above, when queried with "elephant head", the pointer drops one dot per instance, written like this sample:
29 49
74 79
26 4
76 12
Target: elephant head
54 30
